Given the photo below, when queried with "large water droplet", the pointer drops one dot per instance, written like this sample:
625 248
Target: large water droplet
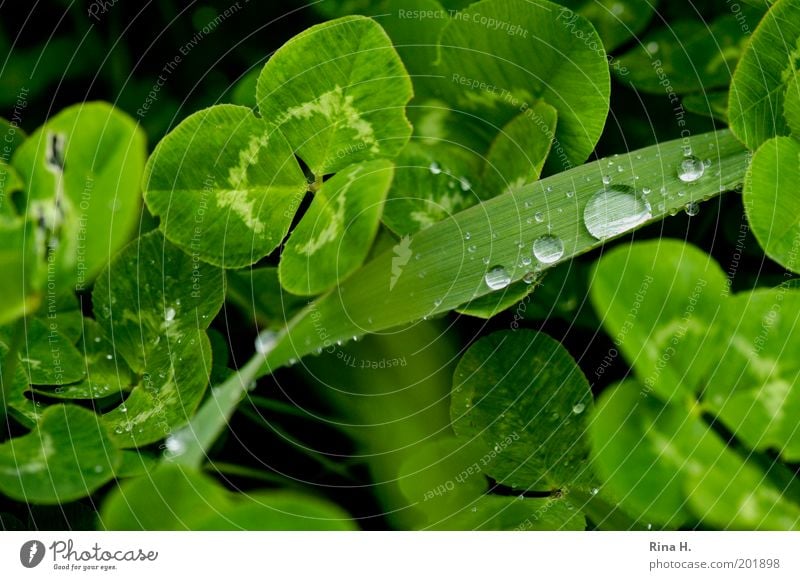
548 249
690 169
614 211
497 278
265 341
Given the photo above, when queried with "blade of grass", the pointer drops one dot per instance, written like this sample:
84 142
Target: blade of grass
436 270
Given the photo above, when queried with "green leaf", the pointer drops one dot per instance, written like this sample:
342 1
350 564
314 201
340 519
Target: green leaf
225 185
657 301
82 171
335 235
106 375
12 137
156 302
497 513
338 91
491 305
522 395
759 85
386 293
518 153
712 104
443 477
172 385
49 357
259 295
432 182
152 291
10 183
770 200
67 457
753 388
616 21
22 272
491 71
791 103
177 498
671 468
684 56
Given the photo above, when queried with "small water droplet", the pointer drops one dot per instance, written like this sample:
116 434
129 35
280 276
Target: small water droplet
606 179
614 211
692 208
690 169
570 194
472 249
646 191
169 314
465 184
530 277
548 249
467 235
497 278
109 356
538 217
437 303
485 260
265 341
435 168
97 339
594 491
578 408
652 47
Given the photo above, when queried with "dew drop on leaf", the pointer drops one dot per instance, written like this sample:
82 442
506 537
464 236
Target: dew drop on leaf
497 278
614 211
578 408
435 169
690 169
169 314
548 249
265 341
692 208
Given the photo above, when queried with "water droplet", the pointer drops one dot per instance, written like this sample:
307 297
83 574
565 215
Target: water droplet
570 194
530 277
437 303
467 235
465 184
548 249
97 339
485 260
652 47
526 260
594 491
109 356
497 278
606 179
646 191
98 469
435 169
169 314
578 408
690 169
692 208
615 210
265 341
472 249
620 169
538 217
174 446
